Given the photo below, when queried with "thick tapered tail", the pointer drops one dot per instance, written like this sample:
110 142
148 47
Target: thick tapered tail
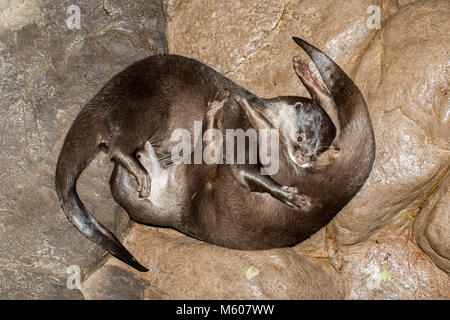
78 150
348 98
331 73
356 138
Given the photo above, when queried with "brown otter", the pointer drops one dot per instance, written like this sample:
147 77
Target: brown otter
161 93
169 195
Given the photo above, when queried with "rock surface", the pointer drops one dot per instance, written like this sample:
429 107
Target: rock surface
404 81
47 73
391 267
432 226
114 283
185 268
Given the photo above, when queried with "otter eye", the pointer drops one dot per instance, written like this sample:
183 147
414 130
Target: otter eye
299 139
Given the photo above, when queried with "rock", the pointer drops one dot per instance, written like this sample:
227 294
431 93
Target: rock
432 226
47 73
253 40
406 88
19 283
184 268
392 267
16 14
114 283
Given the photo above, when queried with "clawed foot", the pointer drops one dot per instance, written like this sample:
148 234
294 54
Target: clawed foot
308 78
216 104
137 172
295 199
143 183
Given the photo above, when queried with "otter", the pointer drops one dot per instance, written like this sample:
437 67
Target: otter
229 205
169 192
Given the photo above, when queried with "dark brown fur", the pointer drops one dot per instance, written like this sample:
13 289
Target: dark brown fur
161 93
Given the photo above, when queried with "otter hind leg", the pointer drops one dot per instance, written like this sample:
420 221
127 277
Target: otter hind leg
155 209
136 170
148 158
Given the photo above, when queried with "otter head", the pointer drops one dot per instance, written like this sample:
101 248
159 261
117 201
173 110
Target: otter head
307 134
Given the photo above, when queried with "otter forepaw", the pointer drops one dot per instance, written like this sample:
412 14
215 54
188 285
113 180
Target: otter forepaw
295 198
216 105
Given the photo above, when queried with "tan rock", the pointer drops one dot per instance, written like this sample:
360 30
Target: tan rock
404 81
432 226
251 43
114 283
17 14
184 268
392 267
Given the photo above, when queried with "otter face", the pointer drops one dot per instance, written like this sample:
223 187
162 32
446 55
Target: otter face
310 135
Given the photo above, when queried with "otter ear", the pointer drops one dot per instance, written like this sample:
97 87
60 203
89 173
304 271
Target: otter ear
298 104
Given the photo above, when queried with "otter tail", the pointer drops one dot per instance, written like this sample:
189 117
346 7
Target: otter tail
354 118
80 147
348 98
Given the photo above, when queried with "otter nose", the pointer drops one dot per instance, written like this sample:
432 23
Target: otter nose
311 157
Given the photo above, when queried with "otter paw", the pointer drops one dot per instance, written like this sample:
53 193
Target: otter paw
301 68
295 198
143 183
216 105
213 109
217 102
308 77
